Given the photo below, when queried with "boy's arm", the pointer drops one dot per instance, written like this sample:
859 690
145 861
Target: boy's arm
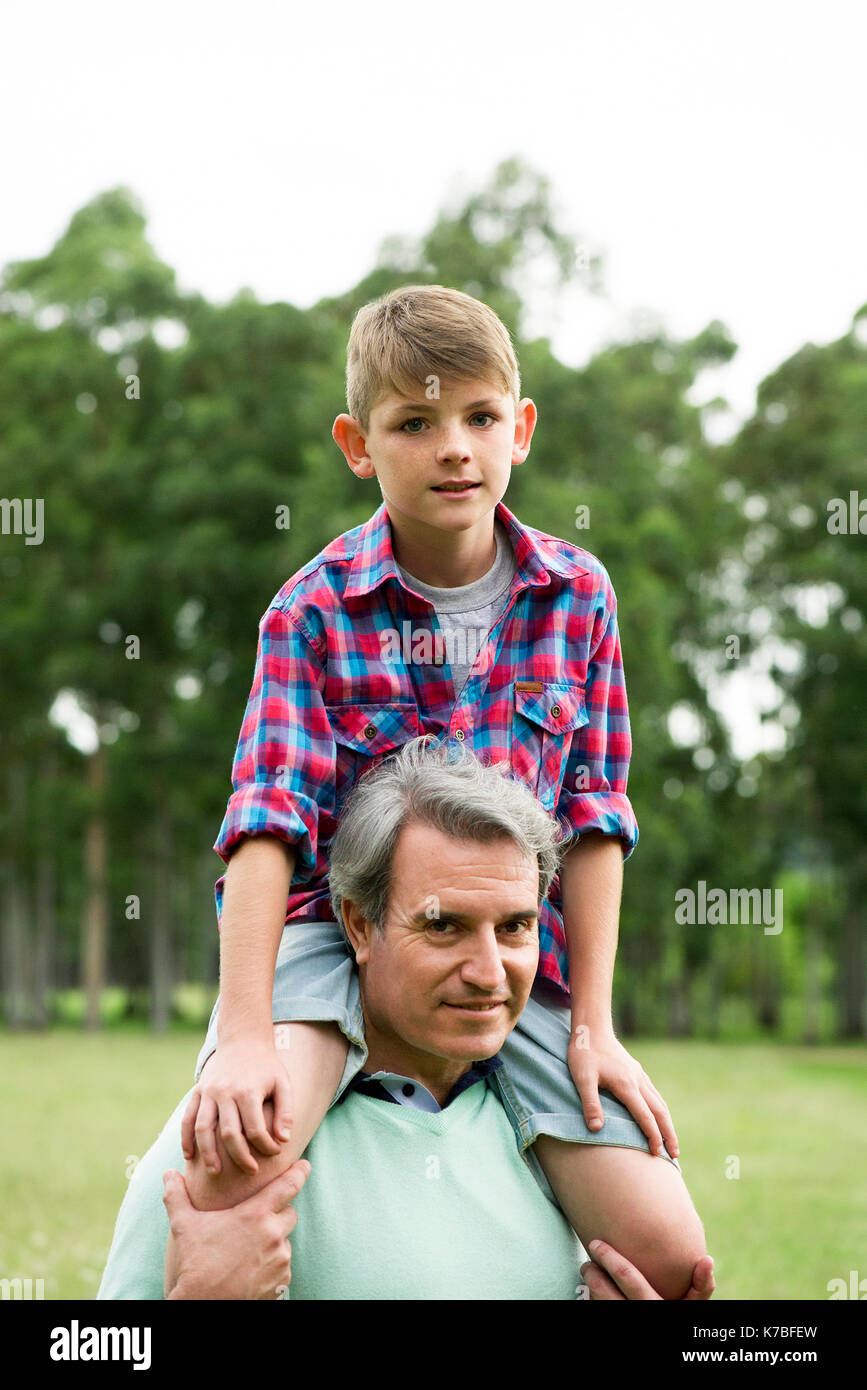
254 914
593 804
246 1068
283 780
591 879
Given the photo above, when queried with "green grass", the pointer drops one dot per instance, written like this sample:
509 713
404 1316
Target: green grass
79 1108
795 1118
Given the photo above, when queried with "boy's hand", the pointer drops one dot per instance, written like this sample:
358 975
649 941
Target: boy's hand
610 1276
597 1059
237 1078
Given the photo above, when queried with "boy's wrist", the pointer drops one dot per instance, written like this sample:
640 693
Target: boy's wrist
595 1018
257 1028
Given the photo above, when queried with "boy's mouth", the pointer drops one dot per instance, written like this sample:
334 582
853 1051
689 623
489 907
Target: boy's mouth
455 487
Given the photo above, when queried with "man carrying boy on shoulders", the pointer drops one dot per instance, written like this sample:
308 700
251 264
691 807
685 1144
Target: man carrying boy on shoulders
536 679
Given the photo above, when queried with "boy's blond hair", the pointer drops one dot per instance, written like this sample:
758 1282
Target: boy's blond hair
400 340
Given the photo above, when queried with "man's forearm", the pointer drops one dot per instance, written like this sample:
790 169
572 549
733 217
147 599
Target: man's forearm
254 913
591 882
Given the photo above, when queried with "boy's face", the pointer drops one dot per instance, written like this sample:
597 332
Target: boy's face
417 447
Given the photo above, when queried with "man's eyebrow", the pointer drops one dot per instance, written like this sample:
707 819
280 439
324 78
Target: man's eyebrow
529 914
426 405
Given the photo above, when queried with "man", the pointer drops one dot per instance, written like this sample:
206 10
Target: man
414 1185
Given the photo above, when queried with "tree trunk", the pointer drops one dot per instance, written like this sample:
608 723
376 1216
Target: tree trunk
677 972
43 962
768 1001
627 1018
715 969
206 914
15 954
765 981
852 961
160 932
95 945
679 1012
812 1031
46 895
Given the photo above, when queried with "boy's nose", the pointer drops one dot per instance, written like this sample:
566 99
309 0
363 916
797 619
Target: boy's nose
453 444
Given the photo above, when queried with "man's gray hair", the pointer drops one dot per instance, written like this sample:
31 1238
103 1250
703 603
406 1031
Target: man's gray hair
429 784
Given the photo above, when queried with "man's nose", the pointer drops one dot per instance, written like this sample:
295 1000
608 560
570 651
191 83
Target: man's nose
483 966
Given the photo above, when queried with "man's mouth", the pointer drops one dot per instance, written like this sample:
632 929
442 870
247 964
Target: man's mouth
479 1008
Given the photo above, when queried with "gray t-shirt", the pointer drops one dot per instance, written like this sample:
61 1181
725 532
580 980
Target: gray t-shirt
467 613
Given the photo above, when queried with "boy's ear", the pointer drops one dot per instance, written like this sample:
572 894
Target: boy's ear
347 434
525 423
359 931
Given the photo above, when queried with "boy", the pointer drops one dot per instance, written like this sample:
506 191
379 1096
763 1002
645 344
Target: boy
441 615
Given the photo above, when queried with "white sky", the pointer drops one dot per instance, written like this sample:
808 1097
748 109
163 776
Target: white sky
714 153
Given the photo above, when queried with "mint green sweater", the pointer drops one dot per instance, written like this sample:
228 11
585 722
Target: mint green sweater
400 1204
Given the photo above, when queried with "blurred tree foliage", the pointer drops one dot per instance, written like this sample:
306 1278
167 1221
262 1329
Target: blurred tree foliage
164 434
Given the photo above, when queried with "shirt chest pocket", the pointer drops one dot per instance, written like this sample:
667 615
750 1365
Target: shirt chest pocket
545 716
364 735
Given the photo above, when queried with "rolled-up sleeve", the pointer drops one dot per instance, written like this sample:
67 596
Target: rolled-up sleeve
283 770
593 795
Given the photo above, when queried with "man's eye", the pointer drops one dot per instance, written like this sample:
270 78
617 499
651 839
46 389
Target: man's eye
516 928
441 928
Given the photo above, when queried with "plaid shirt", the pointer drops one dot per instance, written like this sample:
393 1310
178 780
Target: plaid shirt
351 664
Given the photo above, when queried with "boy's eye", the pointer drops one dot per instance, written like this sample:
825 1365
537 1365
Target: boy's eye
417 420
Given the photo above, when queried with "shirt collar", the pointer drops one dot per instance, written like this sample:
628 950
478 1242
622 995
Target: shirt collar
536 556
372 1083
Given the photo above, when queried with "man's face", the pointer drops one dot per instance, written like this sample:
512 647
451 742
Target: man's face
415 446
451 974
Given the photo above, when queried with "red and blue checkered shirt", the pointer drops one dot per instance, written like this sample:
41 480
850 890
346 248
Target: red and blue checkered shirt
351 663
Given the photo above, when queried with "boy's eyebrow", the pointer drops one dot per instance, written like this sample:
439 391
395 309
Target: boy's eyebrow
426 405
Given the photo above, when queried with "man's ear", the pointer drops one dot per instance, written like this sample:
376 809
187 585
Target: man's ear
359 931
